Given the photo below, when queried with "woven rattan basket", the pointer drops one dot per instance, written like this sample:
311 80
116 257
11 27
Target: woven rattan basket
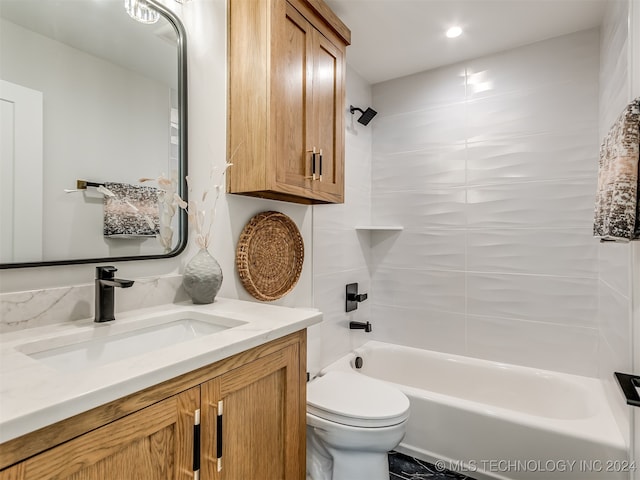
269 255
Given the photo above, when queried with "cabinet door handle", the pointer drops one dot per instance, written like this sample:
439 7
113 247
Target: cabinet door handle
320 169
219 436
196 445
313 163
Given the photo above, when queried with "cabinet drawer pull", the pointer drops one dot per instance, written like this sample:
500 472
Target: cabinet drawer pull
320 169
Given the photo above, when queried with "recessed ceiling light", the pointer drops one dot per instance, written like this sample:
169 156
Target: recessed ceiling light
454 32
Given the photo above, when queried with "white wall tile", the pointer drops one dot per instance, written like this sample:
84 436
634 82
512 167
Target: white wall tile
338 250
547 156
340 253
332 338
614 262
550 204
610 361
514 251
535 344
424 289
614 69
357 172
614 288
541 64
433 88
330 294
420 328
433 249
429 167
565 252
531 112
428 208
419 130
614 313
355 211
563 300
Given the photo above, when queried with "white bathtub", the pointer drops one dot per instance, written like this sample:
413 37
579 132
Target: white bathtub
492 420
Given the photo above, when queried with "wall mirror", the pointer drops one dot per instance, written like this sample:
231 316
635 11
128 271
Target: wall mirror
92 91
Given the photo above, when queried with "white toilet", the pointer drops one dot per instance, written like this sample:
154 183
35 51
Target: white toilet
352 422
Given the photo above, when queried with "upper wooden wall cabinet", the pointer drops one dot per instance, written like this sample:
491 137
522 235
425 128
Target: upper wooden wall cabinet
286 100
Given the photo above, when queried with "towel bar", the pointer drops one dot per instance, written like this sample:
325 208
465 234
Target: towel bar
83 184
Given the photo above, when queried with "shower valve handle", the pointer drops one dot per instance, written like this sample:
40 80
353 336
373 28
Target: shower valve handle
352 297
357 297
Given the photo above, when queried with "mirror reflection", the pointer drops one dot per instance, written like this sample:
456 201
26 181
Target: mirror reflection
92 100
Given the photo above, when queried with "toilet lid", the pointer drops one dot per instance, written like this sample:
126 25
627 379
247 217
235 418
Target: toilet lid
356 400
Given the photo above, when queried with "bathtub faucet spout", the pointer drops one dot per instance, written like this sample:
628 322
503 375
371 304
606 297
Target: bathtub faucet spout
360 326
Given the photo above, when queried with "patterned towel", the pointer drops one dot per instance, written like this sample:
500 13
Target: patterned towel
130 210
617 212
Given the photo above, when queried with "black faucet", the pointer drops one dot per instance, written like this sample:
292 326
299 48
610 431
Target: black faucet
105 293
360 326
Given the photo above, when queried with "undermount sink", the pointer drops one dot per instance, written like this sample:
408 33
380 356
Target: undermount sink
103 345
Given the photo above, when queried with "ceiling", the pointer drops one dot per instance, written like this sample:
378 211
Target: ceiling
394 38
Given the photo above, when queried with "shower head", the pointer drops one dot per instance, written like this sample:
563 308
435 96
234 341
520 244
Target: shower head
366 116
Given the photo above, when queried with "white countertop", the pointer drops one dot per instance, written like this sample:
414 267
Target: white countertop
33 395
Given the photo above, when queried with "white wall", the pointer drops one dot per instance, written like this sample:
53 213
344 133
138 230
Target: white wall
340 254
205 22
490 165
614 260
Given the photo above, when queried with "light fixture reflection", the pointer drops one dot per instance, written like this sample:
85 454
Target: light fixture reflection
479 81
454 32
141 11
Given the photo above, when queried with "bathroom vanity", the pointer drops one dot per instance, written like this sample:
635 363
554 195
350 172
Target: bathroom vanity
228 404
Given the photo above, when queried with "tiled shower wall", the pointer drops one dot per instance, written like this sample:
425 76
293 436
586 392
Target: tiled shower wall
490 165
614 288
340 253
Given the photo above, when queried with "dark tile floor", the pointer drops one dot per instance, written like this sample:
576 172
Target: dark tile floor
403 467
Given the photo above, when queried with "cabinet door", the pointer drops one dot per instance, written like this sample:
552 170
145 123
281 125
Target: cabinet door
14 473
328 117
262 423
152 444
293 105
310 121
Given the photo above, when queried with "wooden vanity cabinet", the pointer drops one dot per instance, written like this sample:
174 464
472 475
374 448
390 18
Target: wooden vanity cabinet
259 403
286 100
154 443
251 409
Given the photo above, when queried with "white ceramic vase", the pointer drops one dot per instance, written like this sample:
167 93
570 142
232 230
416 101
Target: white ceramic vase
202 277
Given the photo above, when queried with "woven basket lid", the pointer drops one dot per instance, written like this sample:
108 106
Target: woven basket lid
269 255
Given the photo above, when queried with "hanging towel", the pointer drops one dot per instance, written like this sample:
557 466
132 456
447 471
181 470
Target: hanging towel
617 212
130 210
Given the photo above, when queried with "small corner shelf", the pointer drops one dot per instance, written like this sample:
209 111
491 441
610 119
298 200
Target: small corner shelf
380 228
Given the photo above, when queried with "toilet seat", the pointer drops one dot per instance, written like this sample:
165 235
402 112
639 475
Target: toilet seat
356 400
